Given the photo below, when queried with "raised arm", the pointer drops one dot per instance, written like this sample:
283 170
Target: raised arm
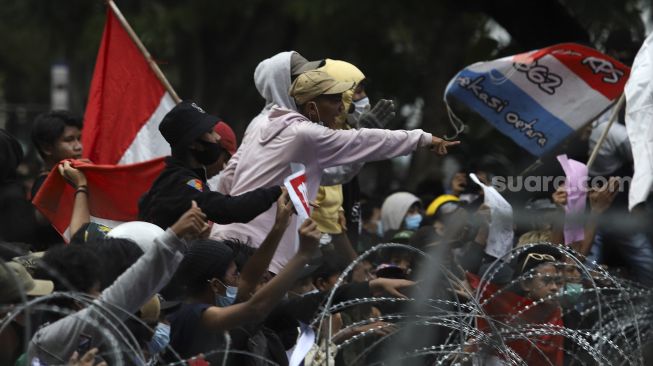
263 301
378 117
258 263
224 209
77 179
338 147
56 342
559 197
600 200
340 174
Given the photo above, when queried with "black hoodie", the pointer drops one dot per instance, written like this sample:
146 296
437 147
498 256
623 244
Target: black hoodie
17 219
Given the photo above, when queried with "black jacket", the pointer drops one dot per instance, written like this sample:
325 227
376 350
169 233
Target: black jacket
172 192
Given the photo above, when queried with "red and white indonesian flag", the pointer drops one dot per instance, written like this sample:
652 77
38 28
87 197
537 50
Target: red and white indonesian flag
639 115
113 192
126 103
298 193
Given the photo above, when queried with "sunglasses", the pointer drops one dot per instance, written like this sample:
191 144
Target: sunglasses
538 257
549 279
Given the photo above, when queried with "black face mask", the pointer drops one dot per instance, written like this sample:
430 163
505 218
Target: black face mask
209 155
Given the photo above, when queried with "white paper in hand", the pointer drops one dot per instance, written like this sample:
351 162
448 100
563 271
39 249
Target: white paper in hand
296 186
304 344
500 235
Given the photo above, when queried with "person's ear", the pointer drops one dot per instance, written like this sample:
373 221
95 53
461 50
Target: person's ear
213 285
312 111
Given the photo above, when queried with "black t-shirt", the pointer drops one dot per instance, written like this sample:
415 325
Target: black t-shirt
38 182
351 203
284 318
17 220
189 338
44 234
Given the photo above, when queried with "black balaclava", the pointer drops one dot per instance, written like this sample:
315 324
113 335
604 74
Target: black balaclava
209 155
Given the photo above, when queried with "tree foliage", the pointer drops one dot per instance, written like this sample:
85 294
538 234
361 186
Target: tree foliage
208 49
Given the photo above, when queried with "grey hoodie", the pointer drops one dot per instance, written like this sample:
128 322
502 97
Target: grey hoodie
272 80
53 344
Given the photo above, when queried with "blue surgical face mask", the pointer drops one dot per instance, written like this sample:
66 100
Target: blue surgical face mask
411 222
232 292
160 339
229 298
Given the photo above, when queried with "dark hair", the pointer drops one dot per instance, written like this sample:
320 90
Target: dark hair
11 154
71 267
205 259
367 208
117 256
142 333
48 127
387 254
241 251
332 264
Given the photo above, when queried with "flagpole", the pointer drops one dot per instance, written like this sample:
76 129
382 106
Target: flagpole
531 167
613 117
617 107
146 54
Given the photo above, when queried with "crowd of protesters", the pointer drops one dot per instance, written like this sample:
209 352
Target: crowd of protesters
220 268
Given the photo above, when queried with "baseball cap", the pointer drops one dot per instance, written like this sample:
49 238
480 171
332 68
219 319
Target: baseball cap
299 64
15 279
315 83
227 137
149 313
342 70
29 261
185 123
440 202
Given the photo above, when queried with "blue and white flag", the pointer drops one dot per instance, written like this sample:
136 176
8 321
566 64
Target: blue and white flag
541 97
